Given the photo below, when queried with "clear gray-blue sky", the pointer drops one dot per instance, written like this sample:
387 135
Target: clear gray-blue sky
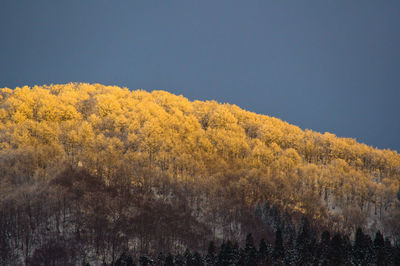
325 65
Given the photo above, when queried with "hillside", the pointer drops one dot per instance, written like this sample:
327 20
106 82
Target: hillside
153 170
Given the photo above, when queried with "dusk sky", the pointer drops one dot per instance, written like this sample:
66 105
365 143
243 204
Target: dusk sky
324 65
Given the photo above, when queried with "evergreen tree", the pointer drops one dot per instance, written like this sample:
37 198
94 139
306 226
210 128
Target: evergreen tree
363 252
379 247
211 251
179 260
225 255
236 253
305 244
124 260
396 255
370 254
398 194
336 252
259 210
242 257
262 248
250 251
278 248
169 260
197 259
323 248
347 250
188 257
221 257
358 248
160 259
264 253
145 261
388 251
290 253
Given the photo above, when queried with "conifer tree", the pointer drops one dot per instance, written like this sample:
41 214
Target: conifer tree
197 259
188 257
221 257
169 260
336 252
160 259
236 254
145 261
290 252
396 255
347 250
388 251
250 251
225 255
305 243
179 260
211 251
278 248
264 253
363 248
324 247
379 248
398 195
124 260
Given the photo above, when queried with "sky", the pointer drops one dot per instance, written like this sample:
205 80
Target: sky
329 65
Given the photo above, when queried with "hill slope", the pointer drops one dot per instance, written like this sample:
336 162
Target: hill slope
213 161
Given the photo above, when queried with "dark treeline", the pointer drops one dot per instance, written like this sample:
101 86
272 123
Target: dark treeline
300 249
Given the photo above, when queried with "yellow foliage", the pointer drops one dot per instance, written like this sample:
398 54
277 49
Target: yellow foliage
111 131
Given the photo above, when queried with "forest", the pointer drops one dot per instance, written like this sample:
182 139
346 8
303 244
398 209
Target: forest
103 175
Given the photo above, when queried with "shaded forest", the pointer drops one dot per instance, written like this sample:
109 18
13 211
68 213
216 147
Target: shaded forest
93 172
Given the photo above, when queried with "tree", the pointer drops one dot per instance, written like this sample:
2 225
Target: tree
336 252
160 259
398 195
388 251
124 260
396 255
250 251
169 260
324 247
264 253
179 260
278 248
197 260
211 251
363 248
225 254
379 247
188 257
305 243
